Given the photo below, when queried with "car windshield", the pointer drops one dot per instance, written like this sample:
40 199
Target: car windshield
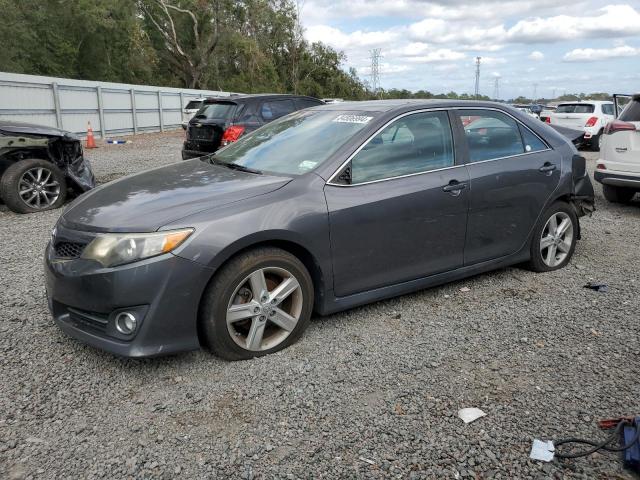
575 108
295 144
218 110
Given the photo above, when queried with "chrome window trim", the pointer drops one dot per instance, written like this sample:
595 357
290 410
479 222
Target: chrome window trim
515 120
402 115
424 110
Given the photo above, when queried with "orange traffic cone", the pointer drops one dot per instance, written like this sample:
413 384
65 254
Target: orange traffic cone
91 142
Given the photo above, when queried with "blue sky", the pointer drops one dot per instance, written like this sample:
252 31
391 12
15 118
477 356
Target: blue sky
581 46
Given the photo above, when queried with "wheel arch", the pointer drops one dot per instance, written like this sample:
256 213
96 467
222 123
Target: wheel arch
318 276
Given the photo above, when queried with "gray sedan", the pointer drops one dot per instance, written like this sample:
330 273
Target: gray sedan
323 210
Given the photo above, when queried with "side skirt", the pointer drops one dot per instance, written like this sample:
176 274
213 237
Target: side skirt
333 304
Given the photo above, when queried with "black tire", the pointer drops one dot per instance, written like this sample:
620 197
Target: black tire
10 185
595 142
618 194
536 262
215 334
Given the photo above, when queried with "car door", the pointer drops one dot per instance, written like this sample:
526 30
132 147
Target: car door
398 207
512 174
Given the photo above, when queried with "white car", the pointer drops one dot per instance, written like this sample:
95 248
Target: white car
527 109
618 169
190 110
591 116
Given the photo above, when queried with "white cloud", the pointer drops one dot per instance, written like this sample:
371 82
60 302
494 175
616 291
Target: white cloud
439 55
340 40
597 54
536 56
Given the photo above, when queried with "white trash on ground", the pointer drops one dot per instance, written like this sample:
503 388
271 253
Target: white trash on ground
469 415
542 450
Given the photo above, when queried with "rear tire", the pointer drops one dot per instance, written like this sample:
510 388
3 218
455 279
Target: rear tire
554 238
595 142
618 194
257 304
33 185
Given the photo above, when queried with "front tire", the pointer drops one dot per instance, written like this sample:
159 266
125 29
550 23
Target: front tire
33 185
596 142
618 194
259 303
554 239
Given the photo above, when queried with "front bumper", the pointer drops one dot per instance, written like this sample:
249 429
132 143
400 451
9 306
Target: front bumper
162 292
617 179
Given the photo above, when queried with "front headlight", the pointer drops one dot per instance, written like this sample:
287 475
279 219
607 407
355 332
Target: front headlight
112 249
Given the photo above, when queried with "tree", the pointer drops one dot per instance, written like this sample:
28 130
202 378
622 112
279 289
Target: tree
190 33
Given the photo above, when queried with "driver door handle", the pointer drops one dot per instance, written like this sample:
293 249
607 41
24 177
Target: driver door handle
547 167
454 187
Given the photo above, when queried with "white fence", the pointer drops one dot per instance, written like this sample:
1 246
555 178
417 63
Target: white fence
112 108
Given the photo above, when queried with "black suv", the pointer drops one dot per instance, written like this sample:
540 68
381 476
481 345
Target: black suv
221 121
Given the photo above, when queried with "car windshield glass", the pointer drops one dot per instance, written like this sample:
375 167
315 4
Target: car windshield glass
220 110
575 108
297 143
193 105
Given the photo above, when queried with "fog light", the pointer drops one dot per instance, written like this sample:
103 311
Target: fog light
126 323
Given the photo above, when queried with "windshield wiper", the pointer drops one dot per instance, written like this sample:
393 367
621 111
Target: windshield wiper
233 166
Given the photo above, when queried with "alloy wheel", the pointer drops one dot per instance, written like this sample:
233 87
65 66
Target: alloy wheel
557 239
264 309
38 189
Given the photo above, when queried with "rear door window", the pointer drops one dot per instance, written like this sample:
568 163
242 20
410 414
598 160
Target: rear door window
413 144
631 112
491 135
576 108
274 109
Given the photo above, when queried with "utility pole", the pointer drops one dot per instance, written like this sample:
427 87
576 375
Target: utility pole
477 92
535 92
496 88
375 70
554 93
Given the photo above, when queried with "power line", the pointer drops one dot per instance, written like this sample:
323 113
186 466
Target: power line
477 92
375 70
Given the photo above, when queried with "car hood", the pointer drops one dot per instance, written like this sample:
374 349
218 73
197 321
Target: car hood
32 129
149 200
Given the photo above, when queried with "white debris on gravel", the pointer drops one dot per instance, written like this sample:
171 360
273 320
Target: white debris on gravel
542 450
468 415
361 383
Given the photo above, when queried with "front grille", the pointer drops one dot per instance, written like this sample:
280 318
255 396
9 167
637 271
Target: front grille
69 250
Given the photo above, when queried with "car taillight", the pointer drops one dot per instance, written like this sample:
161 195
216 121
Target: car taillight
618 126
601 166
591 122
547 120
232 134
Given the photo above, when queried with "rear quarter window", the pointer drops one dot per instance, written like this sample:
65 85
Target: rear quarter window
272 110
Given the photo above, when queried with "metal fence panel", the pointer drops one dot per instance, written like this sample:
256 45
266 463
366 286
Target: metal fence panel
112 108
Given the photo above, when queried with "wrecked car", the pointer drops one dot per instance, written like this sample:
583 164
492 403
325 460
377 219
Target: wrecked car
40 166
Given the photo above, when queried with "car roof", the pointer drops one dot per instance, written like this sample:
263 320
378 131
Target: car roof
244 97
408 104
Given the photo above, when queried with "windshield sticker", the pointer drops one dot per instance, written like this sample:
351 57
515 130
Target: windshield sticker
307 165
352 119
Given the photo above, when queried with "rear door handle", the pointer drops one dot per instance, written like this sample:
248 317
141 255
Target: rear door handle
454 187
547 167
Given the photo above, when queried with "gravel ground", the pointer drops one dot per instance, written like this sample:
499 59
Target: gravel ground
368 393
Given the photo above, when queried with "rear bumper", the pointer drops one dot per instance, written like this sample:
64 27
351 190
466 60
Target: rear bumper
163 293
617 180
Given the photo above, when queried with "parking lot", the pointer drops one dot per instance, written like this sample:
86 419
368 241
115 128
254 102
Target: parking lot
372 392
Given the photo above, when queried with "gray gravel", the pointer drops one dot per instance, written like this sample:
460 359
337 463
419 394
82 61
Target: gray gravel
368 393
